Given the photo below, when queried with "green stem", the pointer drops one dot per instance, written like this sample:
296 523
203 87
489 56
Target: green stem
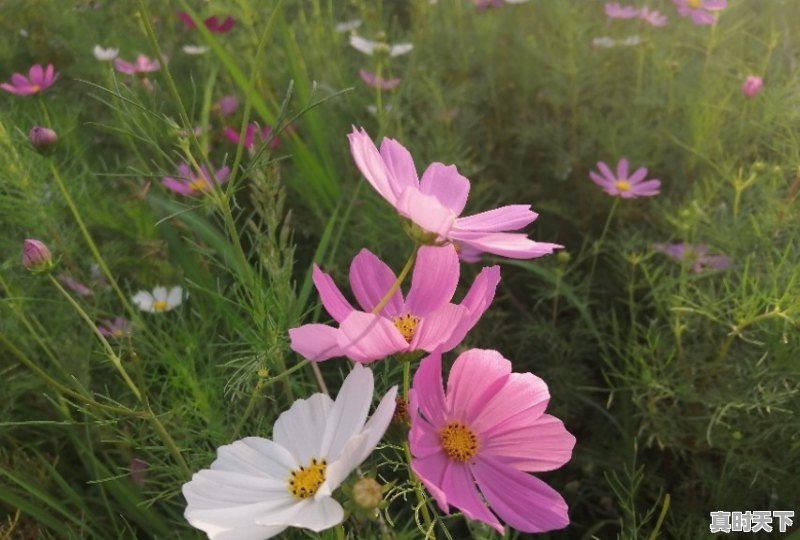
596 246
396 285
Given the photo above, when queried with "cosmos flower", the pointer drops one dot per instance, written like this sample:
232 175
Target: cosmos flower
369 47
117 328
143 64
257 487
616 11
253 133
694 255
159 300
188 182
478 440
435 202
378 82
655 18
226 105
105 55
423 320
752 85
212 23
38 80
701 11
622 185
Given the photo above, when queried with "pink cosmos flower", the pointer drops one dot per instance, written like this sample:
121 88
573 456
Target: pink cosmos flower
701 11
212 23
696 256
75 285
485 433
752 85
655 18
434 203
38 80
190 183
622 185
250 135
117 328
617 11
423 320
226 105
378 82
143 64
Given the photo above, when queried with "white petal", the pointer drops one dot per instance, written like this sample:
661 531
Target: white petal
256 456
346 26
249 532
400 48
379 421
160 293
175 297
195 49
349 411
143 300
362 44
315 514
300 429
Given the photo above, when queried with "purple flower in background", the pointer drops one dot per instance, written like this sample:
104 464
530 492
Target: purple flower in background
376 81
75 285
143 64
226 105
38 80
253 132
616 11
655 18
190 183
212 23
694 255
623 185
752 85
701 11
117 328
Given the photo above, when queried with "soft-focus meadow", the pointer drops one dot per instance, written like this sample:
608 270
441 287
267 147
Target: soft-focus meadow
676 369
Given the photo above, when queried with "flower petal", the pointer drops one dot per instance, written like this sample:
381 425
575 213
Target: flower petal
606 171
429 390
315 341
477 301
144 301
332 298
505 218
316 514
434 280
370 163
36 75
366 337
300 428
178 186
476 376
175 297
400 167
371 279
431 470
514 245
349 412
447 185
426 211
543 444
255 456
622 169
437 328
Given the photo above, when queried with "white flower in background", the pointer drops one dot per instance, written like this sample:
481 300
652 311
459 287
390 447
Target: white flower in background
369 47
159 300
105 55
347 26
258 487
196 50
608 42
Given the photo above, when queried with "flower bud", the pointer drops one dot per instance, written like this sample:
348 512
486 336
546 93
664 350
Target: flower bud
752 85
36 256
367 493
43 138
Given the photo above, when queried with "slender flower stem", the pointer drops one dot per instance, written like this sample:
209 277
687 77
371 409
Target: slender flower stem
396 285
596 246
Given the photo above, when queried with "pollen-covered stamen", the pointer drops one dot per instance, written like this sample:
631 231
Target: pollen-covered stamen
160 305
695 4
459 441
407 324
623 185
305 481
199 184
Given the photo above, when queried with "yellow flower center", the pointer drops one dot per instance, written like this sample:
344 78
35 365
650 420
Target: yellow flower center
623 185
459 441
694 4
305 481
407 324
160 305
118 332
35 88
199 184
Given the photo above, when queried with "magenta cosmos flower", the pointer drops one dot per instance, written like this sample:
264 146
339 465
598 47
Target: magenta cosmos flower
486 433
212 23
752 85
701 11
38 80
253 132
694 255
378 82
143 64
616 11
118 328
622 185
423 320
190 183
434 203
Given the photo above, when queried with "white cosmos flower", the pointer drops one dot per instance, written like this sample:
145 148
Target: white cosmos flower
159 300
196 50
258 487
105 55
369 47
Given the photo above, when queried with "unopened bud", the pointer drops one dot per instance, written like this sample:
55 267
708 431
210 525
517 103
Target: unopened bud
36 256
367 493
43 138
563 256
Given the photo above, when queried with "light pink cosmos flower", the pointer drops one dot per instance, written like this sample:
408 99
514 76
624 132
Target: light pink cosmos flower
655 18
435 202
190 183
486 433
117 328
226 105
694 255
212 23
423 320
75 285
752 85
701 11
616 11
143 64
38 80
253 132
378 82
622 185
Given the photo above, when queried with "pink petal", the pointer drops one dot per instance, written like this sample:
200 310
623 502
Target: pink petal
459 486
36 75
426 211
521 402
123 66
17 79
438 327
477 300
13 89
434 280
371 164
622 169
332 298
514 245
431 470
610 176
315 341
601 181
651 187
543 444
638 176
521 500
366 337
177 186
186 18
429 390
400 167
476 376
447 185
423 438
48 75
505 218
371 279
